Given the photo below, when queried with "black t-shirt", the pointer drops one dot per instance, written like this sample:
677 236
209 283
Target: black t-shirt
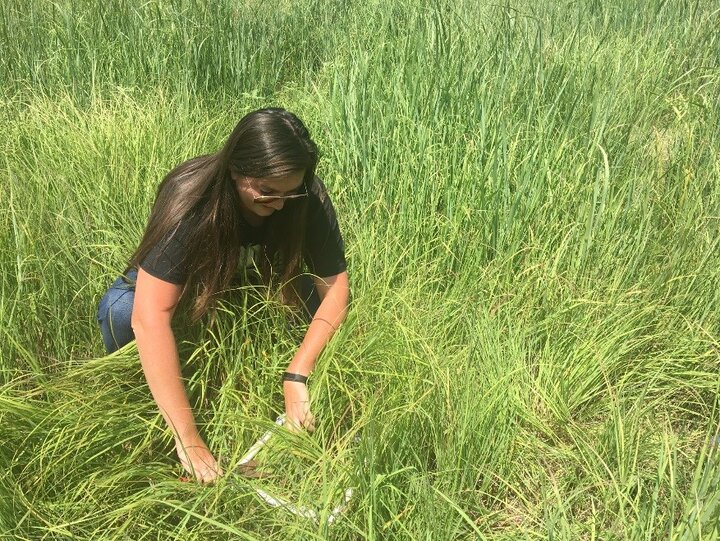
323 252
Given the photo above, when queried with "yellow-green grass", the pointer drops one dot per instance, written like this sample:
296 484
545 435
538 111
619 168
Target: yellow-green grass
529 195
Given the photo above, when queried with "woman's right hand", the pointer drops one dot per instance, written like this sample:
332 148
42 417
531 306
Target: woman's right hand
197 460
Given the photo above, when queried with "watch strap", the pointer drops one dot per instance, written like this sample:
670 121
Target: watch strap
289 376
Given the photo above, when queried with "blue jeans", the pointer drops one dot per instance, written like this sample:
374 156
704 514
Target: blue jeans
115 312
115 309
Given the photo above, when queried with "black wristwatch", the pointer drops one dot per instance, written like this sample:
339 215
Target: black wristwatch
289 376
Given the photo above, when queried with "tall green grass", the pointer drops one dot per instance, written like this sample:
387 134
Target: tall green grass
529 196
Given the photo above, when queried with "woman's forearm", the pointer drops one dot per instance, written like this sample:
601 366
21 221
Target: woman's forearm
161 365
330 314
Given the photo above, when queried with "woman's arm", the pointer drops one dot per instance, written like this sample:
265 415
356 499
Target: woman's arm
334 292
153 308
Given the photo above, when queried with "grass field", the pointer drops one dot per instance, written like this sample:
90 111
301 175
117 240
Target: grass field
530 198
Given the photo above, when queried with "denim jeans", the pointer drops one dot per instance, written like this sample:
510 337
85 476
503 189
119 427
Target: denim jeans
115 312
115 309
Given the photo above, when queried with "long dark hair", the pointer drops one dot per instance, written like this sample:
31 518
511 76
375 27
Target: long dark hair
266 143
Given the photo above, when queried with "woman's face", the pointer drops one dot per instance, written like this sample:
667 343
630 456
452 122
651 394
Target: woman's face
250 188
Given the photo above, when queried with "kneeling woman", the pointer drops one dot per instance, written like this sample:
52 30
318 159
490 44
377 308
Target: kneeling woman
260 195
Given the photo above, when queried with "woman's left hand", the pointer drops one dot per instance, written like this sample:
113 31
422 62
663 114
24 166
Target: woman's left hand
297 406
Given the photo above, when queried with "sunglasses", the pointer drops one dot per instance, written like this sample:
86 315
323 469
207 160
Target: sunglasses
274 198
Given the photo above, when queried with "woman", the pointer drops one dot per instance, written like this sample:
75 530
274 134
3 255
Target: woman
256 204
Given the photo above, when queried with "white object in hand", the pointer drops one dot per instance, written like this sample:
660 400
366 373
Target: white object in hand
299 510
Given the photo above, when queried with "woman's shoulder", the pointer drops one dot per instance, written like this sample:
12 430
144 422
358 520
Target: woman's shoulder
324 246
320 207
318 191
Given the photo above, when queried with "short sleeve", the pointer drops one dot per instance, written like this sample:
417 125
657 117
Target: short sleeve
166 260
324 250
